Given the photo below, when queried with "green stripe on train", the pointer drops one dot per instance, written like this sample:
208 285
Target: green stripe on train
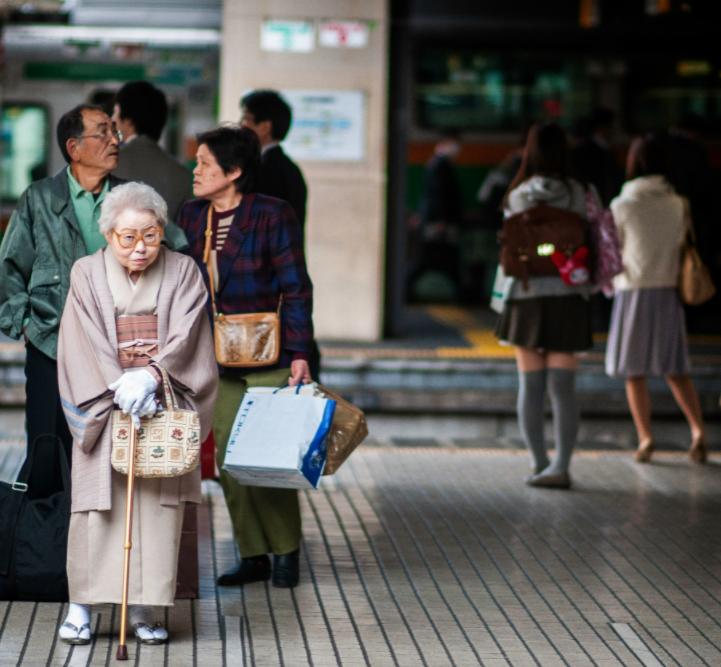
80 71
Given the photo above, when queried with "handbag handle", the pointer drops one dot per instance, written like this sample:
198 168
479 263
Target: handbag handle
170 401
690 231
209 265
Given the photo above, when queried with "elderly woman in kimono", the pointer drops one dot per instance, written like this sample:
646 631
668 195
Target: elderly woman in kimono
134 308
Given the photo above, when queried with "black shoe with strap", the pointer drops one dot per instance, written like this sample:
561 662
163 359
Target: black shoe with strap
286 570
248 571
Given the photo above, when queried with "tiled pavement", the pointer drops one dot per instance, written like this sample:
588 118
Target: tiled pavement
440 555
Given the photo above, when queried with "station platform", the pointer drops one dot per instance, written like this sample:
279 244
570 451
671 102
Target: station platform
450 362
432 554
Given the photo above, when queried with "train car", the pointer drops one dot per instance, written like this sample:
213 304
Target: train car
48 69
485 73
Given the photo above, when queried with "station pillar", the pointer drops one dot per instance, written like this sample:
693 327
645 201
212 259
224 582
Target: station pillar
268 45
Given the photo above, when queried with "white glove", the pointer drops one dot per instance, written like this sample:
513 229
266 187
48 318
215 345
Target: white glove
149 407
132 389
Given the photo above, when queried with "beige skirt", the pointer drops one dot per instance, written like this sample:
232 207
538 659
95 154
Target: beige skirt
95 548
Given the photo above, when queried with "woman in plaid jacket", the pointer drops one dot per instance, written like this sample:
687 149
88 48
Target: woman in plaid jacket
257 258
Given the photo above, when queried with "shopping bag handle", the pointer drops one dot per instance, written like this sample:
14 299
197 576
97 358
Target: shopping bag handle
286 385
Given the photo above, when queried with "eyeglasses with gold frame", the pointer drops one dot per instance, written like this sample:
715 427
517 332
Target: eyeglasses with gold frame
129 238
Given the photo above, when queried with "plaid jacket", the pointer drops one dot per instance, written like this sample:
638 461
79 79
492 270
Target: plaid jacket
261 259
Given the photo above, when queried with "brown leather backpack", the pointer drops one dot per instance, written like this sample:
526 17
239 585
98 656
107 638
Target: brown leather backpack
528 239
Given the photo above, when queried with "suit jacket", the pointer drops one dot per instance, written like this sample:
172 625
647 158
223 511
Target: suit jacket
441 198
261 260
280 177
143 160
596 165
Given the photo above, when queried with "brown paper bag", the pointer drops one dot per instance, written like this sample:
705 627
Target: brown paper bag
348 430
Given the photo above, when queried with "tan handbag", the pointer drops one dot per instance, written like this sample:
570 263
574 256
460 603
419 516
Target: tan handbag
694 281
168 444
242 340
348 430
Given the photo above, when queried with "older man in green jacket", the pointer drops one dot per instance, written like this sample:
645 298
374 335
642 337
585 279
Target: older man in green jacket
55 223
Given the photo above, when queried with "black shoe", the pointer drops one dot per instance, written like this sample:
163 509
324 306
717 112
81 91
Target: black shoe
285 570
256 568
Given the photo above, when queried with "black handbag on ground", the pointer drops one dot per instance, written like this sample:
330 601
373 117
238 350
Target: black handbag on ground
34 522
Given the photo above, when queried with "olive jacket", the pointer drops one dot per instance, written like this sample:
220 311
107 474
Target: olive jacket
40 246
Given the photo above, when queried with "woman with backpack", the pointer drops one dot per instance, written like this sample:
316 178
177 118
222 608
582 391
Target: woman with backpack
544 317
647 335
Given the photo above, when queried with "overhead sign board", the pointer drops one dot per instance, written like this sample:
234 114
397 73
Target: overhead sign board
343 34
287 36
328 125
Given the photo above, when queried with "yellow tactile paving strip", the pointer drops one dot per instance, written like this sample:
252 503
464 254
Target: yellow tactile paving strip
482 343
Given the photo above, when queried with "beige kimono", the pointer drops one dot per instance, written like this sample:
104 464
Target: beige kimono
90 356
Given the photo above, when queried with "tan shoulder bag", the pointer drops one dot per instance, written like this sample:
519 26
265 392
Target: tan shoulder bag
694 280
241 340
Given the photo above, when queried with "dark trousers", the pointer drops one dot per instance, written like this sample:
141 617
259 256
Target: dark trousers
43 413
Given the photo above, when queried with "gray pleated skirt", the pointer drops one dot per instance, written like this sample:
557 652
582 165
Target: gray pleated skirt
647 335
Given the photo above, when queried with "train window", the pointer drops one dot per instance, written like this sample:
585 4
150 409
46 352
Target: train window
24 154
662 90
485 91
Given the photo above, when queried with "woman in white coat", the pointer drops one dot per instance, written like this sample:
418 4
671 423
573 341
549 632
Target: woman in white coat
647 335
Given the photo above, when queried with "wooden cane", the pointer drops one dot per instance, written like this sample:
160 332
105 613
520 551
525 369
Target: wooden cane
122 653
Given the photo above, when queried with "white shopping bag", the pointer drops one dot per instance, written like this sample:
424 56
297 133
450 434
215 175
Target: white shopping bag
278 438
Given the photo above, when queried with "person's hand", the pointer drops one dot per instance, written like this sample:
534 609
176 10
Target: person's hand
132 389
299 373
148 409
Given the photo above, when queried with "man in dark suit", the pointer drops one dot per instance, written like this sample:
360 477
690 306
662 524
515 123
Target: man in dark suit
140 113
269 116
592 159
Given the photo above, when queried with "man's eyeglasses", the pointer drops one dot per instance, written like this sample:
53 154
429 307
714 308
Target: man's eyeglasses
106 136
129 238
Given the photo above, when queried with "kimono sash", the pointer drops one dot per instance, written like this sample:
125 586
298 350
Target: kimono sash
137 339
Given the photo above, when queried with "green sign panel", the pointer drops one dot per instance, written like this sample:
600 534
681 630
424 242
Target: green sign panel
84 71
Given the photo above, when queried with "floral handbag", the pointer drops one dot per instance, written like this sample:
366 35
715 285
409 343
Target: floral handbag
167 445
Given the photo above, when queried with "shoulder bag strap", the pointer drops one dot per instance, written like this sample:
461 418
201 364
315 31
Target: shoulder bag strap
690 236
207 260
209 264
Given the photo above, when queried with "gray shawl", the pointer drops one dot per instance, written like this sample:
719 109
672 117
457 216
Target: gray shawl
88 363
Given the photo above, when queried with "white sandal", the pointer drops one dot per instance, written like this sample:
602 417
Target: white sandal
150 634
78 636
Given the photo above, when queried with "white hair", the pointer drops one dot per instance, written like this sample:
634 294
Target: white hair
134 196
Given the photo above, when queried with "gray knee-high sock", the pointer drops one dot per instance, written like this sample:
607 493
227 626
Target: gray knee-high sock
531 390
562 391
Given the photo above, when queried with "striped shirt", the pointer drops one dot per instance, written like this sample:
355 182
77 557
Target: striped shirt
221 227
221 222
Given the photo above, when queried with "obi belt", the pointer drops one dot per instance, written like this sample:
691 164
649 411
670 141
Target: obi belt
137 339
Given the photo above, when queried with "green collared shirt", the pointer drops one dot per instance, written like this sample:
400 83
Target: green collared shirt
87 210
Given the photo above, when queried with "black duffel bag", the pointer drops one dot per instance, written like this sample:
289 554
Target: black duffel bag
34 521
